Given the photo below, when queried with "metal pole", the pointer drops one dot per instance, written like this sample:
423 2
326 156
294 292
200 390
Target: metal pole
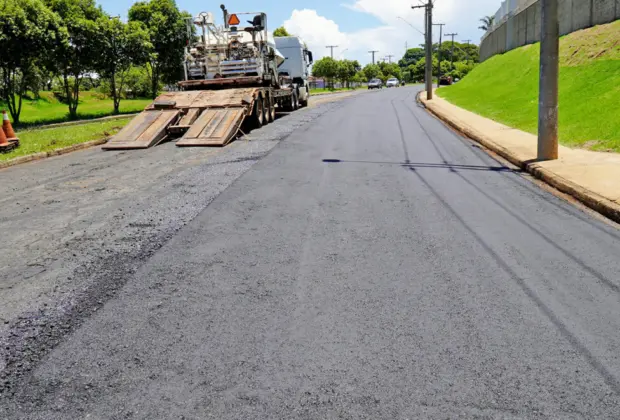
549 81
373 55
452 51
429 50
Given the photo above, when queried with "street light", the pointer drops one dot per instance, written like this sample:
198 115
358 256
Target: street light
411 25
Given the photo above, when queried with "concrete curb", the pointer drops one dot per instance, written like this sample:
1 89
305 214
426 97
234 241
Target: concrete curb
600 204
80 122
57 152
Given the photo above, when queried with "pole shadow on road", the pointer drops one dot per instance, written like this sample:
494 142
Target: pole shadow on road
452 167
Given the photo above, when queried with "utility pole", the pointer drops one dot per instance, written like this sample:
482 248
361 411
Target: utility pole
441 25
373 55
331 47
549 81
452 51
389 57
428 30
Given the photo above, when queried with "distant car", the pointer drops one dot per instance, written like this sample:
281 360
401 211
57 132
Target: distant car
375 84
393 82
445 80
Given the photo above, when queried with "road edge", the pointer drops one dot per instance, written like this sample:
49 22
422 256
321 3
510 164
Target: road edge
591 199
44 155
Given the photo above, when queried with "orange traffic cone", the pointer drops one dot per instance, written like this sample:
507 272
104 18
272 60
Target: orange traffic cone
5 145
8 128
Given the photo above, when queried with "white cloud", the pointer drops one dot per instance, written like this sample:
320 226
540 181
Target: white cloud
391 35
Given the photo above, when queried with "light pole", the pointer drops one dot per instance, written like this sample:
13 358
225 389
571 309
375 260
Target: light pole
549 81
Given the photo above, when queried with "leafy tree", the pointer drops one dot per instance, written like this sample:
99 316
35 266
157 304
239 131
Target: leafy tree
124 45
326 68
167 30
346 70
281 31
372 71
412 56
28 32
390 70
80 51
487 23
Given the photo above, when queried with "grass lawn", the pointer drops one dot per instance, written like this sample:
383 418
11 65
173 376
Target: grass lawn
324 90
45 140
505 88
48 109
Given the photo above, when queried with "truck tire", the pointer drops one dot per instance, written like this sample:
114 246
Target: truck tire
258 113
270 109
294 101
304 103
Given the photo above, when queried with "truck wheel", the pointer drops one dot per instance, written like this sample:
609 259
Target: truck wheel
304 103
258 114
295 102
271 110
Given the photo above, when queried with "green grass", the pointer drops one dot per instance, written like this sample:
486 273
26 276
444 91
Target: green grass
505 88
324 90
46 140
48 109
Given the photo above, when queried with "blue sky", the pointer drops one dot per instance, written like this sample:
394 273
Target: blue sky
356 26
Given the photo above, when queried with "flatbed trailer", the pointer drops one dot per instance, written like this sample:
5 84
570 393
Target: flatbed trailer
205 113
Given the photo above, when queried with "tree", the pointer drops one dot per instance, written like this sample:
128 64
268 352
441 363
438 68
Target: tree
28 31
372 71
326 68
123 46
390 70
412 56
346 70
166 26
281 31
487 23
80 51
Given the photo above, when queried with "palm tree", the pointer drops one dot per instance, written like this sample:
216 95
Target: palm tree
487 23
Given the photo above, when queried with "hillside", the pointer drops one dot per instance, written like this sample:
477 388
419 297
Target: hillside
505 88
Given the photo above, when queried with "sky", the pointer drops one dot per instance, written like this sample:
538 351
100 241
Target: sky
355 26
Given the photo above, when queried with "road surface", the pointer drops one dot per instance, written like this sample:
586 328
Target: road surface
356 260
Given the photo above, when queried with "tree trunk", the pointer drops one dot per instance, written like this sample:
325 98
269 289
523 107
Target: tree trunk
115 99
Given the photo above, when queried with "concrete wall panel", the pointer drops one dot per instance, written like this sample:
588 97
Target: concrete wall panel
522 29
531 25
617 9
565 13
604 11
537 21
582 14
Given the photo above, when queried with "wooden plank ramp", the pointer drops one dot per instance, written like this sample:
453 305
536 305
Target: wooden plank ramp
214 127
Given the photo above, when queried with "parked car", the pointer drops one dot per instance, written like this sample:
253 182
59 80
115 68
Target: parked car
375 84
393 82
445 80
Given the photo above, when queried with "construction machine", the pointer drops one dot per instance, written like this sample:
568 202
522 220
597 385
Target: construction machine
231 77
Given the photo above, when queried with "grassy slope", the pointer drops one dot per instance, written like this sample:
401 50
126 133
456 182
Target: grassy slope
48 110
505 88
45 140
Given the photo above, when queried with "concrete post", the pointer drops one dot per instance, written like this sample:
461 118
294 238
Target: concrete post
429 50
549 80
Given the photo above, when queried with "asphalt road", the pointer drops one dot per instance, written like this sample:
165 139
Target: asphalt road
363 262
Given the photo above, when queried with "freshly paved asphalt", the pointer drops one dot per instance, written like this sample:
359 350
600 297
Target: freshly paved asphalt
373 265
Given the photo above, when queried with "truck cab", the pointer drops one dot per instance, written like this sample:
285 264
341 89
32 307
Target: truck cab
297 60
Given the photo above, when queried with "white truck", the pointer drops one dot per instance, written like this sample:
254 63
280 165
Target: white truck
297 61
234 74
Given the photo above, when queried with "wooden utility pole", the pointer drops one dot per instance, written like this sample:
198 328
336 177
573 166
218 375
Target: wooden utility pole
331 47
373 55
549 82
452 51
441 25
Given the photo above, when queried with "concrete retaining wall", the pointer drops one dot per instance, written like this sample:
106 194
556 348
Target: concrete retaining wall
524 27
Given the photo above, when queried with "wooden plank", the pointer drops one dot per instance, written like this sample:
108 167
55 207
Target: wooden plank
215 127
146 130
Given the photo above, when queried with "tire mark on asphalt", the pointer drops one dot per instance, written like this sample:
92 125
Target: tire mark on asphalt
607 376
592 271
